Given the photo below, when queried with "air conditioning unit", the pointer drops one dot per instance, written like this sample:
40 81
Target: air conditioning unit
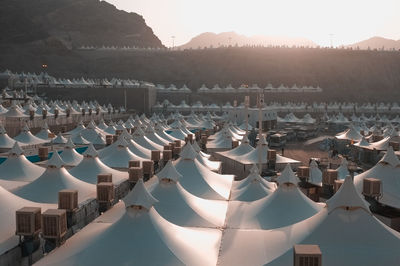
134 163
167 148
44 113
155 156
307 255
68 199
372 187
104 178
395 145
271 155
28 221
303 172
43 153
167 155
337 185
148 168
329 176
135 173
54 223
105 192
109 140
176 151
235 143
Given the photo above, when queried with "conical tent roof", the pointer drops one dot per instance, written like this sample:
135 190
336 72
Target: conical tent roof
169 172
5 141
46 187
44 132
26 137
343 170
143 228
387 170
139 196
346 223
347 197
120 156
259 154
91 166
79 140
285 206
252 188
184 209
254 175
69 154
202 182
59 139
17 168
9 204
350 134
143 141
78 129
315 174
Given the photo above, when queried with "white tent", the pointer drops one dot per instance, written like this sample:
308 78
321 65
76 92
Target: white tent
91 166
59 139
17 168
120 155
78 129
140 236
199 180
140 138
26 137
46 187
350 134
243 148
252 188
180 207
387 170
315 176
9 204
44 133
69 155
285 206
5 141
345 231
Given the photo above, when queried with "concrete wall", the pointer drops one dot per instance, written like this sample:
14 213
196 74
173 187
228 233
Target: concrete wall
139 99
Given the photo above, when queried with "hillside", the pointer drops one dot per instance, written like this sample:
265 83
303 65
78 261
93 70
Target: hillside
209 39
377 43
72 23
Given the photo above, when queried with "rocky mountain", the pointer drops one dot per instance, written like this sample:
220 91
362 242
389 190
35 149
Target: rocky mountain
377 43
209 39
72 23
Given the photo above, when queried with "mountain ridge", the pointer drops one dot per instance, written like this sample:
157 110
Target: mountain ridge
211 39
73 22
376 42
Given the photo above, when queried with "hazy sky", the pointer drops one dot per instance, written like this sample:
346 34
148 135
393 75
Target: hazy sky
348 20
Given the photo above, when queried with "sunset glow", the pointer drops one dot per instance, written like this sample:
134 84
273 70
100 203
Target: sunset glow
347 21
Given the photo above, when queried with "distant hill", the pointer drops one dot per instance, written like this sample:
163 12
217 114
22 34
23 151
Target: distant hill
208 39
377 43
72 23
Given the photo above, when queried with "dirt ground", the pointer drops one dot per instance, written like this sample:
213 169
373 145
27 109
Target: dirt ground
302 151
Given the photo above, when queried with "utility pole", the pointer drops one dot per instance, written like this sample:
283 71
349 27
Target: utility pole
260 103
173 42
331 39
125 100
246 104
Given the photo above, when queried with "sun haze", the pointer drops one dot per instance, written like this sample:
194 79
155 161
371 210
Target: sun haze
321 21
